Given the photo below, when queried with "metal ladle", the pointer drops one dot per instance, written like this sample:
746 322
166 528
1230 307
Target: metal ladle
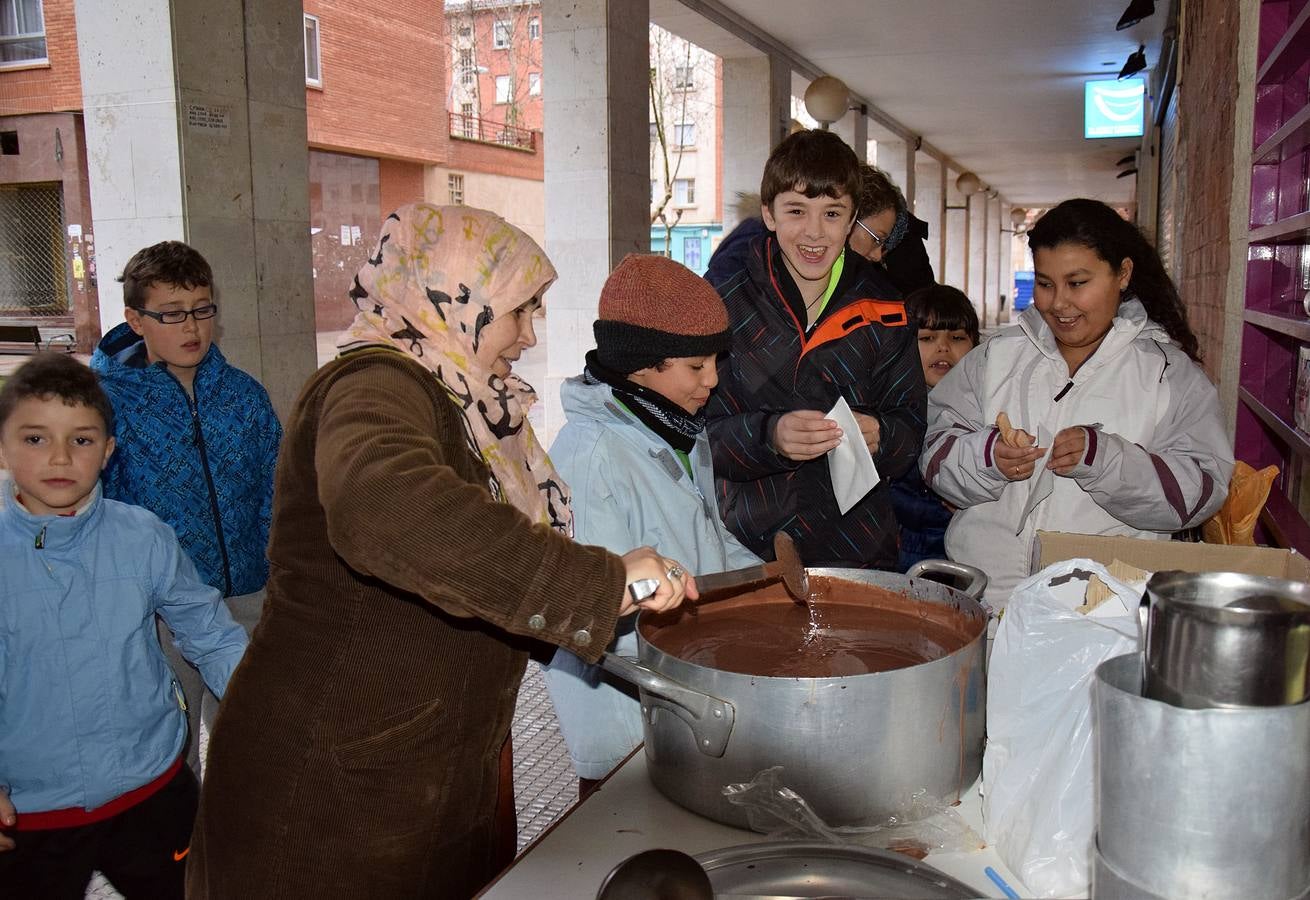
657 875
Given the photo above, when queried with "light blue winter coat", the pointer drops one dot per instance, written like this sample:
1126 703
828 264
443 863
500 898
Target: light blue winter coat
629 490
88 706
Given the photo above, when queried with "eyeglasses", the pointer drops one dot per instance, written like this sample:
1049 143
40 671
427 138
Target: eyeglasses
877 241
178 316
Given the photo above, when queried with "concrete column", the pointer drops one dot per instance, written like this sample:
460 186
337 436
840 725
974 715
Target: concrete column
1005 263
976 274
929 191
992 288
955 266
854 130
207 148
893 157
756 113
597 167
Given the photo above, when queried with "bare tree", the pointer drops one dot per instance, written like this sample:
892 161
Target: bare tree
681 74
477 32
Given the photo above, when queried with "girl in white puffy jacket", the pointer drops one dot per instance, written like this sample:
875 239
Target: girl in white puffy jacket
1117 428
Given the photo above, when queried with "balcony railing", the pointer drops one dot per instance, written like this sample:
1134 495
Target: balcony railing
475 128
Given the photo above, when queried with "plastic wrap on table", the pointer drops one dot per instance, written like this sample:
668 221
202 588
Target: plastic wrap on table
927 823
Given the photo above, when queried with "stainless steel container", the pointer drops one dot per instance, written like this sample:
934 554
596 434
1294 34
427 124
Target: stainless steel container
1218 639
855 747
1200 803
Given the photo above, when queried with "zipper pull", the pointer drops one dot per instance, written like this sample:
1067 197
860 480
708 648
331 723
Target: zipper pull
40 538
1064 390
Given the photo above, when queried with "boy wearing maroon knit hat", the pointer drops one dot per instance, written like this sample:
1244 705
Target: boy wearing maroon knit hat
634 452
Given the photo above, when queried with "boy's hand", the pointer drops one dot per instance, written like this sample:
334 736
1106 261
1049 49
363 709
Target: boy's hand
1016 463
8 819
870 430
1067 450
805 434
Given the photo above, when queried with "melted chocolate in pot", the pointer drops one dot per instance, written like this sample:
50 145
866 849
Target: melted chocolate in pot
850 629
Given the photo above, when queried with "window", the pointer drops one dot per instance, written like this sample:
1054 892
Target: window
503 89
465 32
467 120
684 77
684 192
466 70
455 186
691 253
22 32
8 143
500 35
684 134
313 64
534 29
534 84
654 131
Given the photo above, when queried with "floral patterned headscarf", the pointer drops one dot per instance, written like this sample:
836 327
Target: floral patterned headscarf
439 275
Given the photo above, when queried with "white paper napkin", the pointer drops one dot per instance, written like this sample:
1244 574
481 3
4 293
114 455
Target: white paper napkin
849 463
1042 481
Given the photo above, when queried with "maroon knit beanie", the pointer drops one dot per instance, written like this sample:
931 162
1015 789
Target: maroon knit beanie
653 309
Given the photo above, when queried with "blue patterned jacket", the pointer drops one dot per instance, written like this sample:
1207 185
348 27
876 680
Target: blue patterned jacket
203 465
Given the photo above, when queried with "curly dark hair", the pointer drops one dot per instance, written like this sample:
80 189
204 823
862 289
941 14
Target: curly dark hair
940 307
877 193
168 262
51 375
1092 224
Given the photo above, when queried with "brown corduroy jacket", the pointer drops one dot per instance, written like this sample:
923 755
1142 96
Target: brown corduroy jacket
355 752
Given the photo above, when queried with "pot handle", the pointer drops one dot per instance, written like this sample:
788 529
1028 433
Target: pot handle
976 579
709 718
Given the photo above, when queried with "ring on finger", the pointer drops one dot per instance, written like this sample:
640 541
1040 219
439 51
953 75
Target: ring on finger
676 572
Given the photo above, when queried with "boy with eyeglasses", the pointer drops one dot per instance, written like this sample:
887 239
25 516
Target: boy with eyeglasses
197 438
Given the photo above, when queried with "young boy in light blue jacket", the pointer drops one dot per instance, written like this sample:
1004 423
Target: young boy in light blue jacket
92 721
634 452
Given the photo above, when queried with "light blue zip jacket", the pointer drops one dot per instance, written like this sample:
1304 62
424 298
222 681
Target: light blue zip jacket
629 490
88 706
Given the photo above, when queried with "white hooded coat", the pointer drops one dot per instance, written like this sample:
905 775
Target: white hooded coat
1158 457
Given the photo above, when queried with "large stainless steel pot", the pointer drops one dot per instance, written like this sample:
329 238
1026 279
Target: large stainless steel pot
1218 639
855 747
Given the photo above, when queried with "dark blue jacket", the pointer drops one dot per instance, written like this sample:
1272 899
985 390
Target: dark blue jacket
923 517
861 349
203 465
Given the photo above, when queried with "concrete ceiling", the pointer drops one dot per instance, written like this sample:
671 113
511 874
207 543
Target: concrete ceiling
997 85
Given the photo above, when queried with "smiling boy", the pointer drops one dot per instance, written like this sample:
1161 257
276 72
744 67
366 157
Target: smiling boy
91 723
634 452
197 437
812 324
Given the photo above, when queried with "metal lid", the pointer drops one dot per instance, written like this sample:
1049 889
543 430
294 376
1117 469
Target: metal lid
791 869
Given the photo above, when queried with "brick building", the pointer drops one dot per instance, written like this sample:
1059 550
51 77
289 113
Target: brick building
47 243
494 82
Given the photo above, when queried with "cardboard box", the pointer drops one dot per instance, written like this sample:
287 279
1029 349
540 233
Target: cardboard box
1158 556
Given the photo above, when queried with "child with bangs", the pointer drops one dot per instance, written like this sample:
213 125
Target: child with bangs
811 324
947 328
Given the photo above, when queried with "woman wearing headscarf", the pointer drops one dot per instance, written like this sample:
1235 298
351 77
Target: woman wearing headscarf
419 544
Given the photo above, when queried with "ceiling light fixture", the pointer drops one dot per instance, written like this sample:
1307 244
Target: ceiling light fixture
1136 12
826 100
1136 63
1018 216
968 183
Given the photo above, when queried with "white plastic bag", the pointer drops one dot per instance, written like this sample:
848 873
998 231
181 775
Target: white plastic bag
1038 767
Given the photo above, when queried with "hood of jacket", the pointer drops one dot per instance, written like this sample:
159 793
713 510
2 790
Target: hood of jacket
1130 323
121 356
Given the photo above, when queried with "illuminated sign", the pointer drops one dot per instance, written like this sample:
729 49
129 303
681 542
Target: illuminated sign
1114 108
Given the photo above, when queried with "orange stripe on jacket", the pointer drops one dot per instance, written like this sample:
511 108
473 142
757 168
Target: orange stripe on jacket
856 315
